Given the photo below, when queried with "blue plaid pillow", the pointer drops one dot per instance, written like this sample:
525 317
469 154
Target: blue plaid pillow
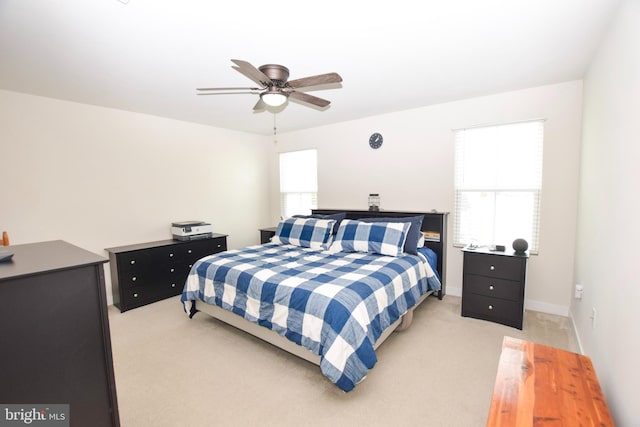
386 238
304 232
413 235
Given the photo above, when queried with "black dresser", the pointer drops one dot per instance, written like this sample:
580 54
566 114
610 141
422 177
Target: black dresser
55 344
493 286
149 272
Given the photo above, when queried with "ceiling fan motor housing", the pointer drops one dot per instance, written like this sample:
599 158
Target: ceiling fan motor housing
278 74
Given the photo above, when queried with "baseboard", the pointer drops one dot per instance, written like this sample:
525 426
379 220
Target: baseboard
456 292
575 333
545 307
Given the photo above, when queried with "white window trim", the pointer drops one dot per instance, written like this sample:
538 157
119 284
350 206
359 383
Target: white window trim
536 191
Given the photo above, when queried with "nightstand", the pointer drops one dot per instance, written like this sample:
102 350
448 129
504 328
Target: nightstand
493 286
266 234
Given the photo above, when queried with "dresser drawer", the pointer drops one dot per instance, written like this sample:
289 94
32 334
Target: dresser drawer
141 295
494 309
202 248
133 263
494 266
170 253
492 287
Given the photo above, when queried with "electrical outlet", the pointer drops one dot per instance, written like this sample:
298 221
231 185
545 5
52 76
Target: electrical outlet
593 317
578 291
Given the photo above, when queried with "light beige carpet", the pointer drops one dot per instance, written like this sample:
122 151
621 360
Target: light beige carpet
174 371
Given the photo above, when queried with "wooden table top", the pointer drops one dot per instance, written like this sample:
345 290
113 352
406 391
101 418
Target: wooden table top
543 386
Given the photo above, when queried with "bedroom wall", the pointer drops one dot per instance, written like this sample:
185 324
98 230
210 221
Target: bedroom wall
98 177
607 237
413 170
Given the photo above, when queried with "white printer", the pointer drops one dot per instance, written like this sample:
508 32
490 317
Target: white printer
191 230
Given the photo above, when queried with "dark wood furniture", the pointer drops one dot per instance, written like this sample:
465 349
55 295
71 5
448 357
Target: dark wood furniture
266 234
55 341
538 385
493 286
149 272
434 223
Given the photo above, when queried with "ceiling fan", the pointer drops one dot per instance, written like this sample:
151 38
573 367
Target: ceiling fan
275 88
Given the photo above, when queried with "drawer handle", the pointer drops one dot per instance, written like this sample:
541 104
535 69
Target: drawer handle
173 269
173 285
189 251
135 295
492 268
170 255
190 265
134 278
490 287
490 307
133 261
219 246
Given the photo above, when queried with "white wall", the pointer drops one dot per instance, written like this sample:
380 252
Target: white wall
608 235
413 170
98 177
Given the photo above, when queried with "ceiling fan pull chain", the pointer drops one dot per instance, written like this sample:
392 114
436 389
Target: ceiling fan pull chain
275 129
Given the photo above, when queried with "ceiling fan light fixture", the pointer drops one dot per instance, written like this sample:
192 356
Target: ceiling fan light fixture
273 98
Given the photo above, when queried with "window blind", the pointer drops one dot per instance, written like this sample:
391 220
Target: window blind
498 183
298 182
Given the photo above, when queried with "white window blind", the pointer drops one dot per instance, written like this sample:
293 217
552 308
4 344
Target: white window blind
498 183
298 182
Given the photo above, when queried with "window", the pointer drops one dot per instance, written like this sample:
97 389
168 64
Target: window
298 182
498 182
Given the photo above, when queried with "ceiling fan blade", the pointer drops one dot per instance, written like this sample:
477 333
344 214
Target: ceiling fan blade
250 71
228 88
227 93
320 79
260 106
309 99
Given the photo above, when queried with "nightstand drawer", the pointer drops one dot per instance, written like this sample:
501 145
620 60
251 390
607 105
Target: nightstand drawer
493 309
492 287
493 266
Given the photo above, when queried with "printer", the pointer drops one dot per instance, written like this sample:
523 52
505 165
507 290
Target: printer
191 230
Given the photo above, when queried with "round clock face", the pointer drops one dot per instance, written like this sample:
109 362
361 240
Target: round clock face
375 140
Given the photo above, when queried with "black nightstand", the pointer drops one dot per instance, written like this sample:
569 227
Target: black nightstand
493 286
266 234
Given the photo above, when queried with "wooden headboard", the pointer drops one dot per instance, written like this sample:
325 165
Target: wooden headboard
435 223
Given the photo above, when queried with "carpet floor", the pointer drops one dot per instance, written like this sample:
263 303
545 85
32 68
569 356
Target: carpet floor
174 371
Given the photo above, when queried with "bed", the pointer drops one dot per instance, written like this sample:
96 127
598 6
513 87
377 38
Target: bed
321 290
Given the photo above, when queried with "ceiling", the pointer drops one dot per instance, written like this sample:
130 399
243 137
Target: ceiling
148 56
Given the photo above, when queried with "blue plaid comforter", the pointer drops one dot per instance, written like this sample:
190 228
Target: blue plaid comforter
336 305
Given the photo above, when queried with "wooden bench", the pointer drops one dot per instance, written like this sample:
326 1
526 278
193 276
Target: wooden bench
543 386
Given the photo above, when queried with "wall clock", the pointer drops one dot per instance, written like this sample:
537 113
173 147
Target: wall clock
375 141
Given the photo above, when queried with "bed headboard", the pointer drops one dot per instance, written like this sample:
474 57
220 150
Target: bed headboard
434 223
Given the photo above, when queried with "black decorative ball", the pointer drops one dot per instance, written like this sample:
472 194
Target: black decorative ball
520 246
